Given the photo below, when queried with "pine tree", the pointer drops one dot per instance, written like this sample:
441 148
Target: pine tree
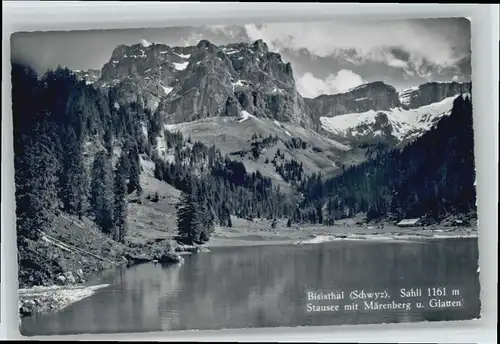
204 214
319 213
156 197
73 178
187 224
101 195
37 170
135 171
108 141
120 199
195 219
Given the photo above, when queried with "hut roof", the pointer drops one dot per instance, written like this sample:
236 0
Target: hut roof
408 222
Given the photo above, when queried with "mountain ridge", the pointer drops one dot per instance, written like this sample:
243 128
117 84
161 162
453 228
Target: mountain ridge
245 81
157 72
206 80
56 117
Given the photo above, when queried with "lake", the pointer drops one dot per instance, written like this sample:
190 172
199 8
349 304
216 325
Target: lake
267 286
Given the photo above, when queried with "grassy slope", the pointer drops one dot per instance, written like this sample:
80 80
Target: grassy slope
230 136
51 257
55 253
151 220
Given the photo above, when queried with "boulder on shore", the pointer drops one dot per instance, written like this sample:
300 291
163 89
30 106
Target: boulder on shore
168 258
191 248
133 260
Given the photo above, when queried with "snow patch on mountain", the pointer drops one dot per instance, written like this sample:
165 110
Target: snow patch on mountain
403 123
160 145
147 165
166 89
144 129
282 127
277 90
240 83
184 56
244 116
180 66
405 95
230 51
145 43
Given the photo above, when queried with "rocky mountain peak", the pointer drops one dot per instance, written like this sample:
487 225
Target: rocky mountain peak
431 92
88 75
206 80
119 51
205 44
378 86
260 46
385 115
375 96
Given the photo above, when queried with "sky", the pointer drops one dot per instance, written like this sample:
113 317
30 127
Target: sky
326 57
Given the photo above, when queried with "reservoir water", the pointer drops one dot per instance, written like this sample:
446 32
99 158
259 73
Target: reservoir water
268 286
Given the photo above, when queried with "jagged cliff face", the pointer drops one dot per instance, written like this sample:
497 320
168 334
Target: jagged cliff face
235 88
392 118
189 83
431 92
372 96
90 76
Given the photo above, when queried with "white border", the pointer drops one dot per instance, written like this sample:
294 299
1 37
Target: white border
42 16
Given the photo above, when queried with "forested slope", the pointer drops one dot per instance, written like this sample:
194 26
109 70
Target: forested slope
433 176
80 155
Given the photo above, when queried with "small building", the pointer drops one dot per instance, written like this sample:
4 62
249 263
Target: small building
409 223
459 223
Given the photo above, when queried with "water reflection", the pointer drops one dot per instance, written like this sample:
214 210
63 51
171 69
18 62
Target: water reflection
266 286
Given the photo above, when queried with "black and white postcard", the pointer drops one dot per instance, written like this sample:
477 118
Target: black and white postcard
229 177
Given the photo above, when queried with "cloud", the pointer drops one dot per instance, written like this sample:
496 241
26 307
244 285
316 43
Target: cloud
410 45
145 43
193 38
310 86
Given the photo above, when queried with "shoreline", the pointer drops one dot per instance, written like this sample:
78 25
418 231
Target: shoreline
43 299
319 238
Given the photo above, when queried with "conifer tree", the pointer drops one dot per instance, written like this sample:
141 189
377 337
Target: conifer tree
204 214
101 195
120 199
155 197
73 177
108 141
195 219
187 222
135 170
37 170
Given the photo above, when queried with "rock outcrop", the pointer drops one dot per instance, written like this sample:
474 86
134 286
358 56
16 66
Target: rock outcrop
375 96
188 83
170 258
90 76
431 92
241 80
